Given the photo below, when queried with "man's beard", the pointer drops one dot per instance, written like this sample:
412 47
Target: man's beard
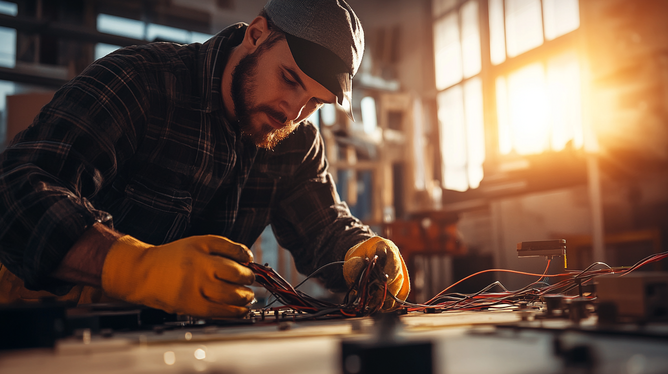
243 92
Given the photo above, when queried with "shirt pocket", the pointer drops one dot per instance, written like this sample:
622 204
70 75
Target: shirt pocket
153 214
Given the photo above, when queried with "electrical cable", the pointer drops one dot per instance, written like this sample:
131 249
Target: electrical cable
359 300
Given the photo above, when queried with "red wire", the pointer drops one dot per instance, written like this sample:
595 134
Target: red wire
358 307
495 270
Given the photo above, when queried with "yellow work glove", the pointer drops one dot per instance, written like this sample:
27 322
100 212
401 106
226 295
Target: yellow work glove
392 265
200 275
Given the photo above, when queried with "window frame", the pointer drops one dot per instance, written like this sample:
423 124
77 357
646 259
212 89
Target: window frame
569 42
484 55
496 165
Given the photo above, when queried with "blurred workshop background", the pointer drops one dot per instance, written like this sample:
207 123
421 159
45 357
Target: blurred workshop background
480 123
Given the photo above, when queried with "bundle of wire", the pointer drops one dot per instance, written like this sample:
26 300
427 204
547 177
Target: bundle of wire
358 300
533 292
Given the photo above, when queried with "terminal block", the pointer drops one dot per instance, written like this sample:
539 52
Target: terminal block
547 248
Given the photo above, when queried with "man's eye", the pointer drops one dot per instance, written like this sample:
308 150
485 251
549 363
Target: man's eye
288 80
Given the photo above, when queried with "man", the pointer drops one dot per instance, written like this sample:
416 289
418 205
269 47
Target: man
194 149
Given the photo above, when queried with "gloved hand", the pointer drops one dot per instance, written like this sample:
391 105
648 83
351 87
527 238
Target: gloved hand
200 275
391 263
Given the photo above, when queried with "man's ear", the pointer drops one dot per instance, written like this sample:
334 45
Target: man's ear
256 33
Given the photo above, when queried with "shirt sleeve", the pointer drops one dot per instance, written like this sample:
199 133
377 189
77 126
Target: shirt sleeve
310 220
52 172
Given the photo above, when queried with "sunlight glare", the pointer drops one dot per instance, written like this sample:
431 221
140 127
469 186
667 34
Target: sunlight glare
563 86
528 109
540 109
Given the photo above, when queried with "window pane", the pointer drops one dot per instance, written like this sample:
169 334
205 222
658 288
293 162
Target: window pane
497 36
102 49
198 37
524 27
6 89
315 118
475 130
561 17
166 33
503 117
369 121
528 109
442 6
453 138
470 39
8 8
563 86
447 52
7 47
540 109
120 26
328 114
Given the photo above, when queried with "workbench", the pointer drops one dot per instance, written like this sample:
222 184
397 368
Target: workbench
462 342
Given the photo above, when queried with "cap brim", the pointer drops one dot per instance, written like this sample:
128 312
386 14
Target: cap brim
346 104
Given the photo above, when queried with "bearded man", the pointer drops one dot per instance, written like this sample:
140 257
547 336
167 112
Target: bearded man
148 176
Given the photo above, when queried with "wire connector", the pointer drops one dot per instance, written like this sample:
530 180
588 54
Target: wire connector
547 248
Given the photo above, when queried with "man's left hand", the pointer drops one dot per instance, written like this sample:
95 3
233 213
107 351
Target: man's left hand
391 265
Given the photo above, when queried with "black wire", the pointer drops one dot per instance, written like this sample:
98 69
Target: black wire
319 269
637 264
276 298
591 266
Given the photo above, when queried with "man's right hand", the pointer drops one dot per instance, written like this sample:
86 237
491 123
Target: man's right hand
200 275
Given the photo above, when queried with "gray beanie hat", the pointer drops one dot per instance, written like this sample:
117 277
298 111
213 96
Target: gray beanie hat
326 40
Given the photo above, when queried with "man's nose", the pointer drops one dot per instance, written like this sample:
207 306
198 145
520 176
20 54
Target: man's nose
292 105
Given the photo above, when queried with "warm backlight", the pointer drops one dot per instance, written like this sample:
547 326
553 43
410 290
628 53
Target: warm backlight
539 107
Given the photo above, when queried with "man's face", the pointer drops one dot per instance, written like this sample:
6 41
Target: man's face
272 95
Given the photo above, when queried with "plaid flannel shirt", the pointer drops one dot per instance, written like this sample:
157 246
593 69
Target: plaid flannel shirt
139 142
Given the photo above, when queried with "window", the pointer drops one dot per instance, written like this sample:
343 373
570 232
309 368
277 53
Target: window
120 26
103 49
369 120
462 135
457 46
518 26
315 118
141 30
7 47
538 105
328 114
8 8
457 54
8 37
537 96
156 32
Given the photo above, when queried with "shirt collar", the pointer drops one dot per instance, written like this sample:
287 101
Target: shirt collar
211 63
